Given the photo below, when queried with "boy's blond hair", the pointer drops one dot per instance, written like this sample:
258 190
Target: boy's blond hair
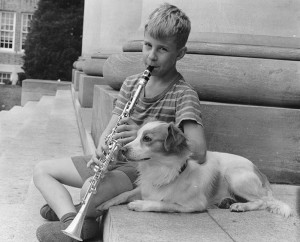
169 21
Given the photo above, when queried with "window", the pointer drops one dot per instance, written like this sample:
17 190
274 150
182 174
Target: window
26 18
7 28
5 77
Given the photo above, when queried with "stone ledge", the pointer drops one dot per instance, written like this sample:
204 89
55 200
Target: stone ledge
84 121
236 80
234 128
34 89
123 225
104 99
86 89
221 49
75 78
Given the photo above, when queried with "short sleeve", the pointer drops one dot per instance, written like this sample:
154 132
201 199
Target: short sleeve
188 107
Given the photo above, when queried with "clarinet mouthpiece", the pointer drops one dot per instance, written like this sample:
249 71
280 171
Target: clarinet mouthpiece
150 68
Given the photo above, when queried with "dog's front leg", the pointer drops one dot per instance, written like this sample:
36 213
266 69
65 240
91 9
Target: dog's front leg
124 197
160 206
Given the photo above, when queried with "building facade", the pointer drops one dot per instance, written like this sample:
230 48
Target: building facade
15 17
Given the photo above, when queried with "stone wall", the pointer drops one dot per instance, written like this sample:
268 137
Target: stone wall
243 60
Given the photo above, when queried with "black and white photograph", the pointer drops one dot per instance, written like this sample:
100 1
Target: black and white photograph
150 120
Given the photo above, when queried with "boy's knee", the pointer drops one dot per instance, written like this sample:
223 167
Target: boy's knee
114 183
39 172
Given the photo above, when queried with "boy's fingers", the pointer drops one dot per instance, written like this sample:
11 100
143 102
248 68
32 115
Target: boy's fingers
90 162
95 158
126 121
129 121
94 161
98 154
123 127
123 135
126 140
126 130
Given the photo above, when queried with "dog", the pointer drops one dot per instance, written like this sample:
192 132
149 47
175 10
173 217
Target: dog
170 181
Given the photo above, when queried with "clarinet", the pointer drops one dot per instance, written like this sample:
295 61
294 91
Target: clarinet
74 229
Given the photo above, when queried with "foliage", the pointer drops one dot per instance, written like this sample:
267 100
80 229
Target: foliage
10 96
54 40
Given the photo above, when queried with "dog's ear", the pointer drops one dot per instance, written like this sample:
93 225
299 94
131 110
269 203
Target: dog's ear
175 140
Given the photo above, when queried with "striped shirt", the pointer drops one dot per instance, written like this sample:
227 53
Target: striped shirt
178 102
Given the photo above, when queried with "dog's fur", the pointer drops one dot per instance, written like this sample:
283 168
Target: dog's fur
169 181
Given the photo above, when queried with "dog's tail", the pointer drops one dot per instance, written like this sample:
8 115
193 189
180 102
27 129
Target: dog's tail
278 207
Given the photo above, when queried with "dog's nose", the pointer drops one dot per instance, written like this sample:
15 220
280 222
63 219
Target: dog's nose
124 150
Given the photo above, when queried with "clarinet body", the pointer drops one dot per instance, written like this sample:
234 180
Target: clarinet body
74 229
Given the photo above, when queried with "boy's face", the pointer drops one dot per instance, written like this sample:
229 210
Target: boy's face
162 54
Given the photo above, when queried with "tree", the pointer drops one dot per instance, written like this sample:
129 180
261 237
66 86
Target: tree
54 40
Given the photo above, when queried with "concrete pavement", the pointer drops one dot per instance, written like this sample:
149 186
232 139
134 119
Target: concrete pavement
40 130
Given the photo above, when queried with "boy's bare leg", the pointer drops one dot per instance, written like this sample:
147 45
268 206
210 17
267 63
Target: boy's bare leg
49 177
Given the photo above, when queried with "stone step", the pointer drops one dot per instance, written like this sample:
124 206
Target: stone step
24 225
16 116
30 219
21 219
62 137
10 229
13 121
122 225
22 152
15 109
3 114
34 89
42 138
32 117
84 120
50 133
30 104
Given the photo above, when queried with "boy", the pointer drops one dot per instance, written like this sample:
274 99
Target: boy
166 97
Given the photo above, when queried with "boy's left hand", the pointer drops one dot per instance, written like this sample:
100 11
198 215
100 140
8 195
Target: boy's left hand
126 131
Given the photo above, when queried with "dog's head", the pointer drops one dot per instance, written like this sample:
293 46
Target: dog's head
156 140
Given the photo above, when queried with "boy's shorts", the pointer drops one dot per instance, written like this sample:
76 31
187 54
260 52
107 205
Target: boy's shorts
85 172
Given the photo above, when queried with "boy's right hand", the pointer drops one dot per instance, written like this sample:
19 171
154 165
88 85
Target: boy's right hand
126 131
98 157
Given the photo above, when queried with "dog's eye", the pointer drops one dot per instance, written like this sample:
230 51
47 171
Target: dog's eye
146 138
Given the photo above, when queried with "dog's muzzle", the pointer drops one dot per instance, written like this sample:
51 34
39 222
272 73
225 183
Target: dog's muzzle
124 151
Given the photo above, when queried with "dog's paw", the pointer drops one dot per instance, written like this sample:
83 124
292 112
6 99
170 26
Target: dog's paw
137 205
226 203
237 207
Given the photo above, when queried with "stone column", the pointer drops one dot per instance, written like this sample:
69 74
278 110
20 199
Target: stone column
213 19
108 23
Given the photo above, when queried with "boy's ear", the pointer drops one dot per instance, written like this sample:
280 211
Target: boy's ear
181 53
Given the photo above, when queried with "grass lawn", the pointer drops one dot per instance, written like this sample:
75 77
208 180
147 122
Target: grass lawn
10 95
